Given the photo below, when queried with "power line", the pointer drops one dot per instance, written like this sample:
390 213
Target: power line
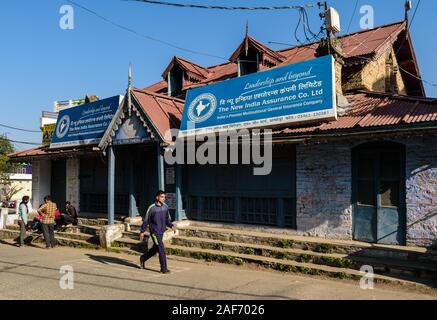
20 142
182 5
143 35
406 71
352 17
19 129
419 78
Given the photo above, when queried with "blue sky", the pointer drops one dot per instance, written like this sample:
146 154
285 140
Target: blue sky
41 63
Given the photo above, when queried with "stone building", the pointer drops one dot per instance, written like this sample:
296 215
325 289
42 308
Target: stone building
370 175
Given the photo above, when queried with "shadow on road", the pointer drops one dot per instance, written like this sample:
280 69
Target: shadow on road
112 260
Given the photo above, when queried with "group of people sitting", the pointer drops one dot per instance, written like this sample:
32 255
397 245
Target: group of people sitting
48 219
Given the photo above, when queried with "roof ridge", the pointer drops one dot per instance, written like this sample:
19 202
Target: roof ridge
193 63
397 96
145 91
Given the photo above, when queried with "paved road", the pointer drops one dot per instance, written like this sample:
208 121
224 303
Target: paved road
34 273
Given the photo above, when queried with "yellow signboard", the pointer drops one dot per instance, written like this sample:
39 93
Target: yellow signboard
47 135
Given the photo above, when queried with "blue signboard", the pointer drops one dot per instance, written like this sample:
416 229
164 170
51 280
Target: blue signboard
85 124
295 93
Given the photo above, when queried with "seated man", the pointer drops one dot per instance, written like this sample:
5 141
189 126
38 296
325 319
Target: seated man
70 213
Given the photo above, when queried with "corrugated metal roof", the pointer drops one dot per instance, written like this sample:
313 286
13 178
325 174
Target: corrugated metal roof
163 111
368 109
364 43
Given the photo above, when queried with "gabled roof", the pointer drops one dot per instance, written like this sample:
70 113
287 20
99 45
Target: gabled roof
193 71
367 43
358 47
163 112
267 55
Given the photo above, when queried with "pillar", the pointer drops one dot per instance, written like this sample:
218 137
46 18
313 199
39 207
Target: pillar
160 168
111 185
180 214
72 193
132 200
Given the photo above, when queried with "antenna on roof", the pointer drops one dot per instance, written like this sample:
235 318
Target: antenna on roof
246 39
129 76
408 7
129 88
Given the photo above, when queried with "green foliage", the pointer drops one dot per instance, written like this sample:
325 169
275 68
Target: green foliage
6 168
285 243
324 248
306 258
249 250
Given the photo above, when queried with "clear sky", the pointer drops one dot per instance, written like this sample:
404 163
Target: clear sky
41 63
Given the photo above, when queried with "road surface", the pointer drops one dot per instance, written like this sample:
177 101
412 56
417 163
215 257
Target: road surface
34 273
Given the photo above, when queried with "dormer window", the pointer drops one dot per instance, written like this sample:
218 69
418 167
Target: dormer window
175 80
249 63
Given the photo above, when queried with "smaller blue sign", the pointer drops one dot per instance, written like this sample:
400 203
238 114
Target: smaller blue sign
85 124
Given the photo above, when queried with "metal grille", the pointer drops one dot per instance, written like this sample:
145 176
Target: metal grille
218 209
290 213
259 210
192 208
98 203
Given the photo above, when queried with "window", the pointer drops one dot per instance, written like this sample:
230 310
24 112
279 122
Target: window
175 81
391 75
249 63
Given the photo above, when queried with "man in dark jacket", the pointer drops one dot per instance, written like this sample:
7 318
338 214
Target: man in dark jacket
71 214
158 220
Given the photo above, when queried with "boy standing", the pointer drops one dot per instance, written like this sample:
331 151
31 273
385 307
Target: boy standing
47 211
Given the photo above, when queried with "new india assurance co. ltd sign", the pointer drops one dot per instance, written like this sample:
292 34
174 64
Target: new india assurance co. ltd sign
296 93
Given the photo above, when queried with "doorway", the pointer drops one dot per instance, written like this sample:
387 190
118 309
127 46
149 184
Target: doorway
378 193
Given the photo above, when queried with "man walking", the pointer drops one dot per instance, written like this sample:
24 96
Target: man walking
158 220
47 210
23 212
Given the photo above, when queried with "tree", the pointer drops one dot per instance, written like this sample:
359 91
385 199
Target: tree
6 168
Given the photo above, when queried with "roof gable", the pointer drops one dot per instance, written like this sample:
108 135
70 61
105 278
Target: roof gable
268 56
193 71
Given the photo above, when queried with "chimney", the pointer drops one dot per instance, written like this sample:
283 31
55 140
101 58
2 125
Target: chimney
333 47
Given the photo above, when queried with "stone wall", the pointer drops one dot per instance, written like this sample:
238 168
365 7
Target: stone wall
323 190
421 191
372 75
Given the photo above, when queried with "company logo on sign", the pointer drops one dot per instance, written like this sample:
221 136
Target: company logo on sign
202 107
63 126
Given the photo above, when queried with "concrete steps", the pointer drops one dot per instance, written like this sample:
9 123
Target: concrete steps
386 266
352 248
76 240
292 253
81 236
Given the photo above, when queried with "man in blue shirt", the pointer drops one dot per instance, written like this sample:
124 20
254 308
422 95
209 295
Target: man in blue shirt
158 220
